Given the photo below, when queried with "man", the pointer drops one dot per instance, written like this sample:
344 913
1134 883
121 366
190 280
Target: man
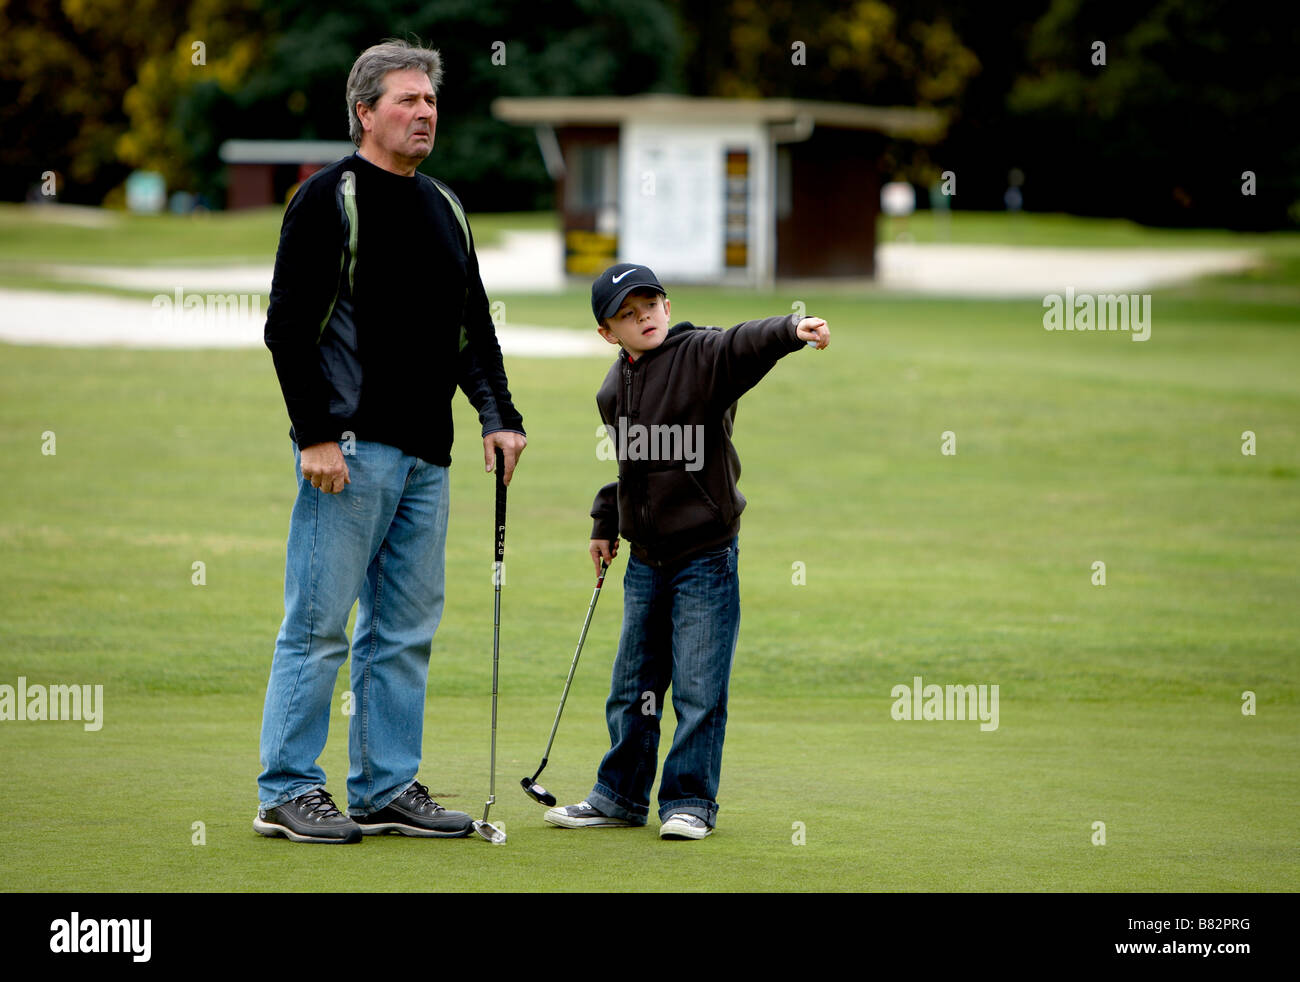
377 314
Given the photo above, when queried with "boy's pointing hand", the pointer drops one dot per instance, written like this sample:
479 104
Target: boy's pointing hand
814 331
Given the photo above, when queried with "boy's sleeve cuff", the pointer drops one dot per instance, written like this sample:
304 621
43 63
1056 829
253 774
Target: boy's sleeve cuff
794 332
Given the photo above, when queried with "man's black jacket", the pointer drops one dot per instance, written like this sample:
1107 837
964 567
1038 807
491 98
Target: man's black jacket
378 312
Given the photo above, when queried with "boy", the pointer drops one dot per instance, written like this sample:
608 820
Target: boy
669 402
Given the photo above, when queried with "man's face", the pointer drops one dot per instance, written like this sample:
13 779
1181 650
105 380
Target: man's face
640 324
404 119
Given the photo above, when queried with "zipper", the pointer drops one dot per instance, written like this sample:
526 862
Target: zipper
643 485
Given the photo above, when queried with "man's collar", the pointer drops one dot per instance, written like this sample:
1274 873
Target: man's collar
383 170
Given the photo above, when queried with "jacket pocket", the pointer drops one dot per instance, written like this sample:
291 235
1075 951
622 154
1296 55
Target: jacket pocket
676 502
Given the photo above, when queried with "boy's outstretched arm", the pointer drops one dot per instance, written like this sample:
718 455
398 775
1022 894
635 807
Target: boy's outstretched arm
745 353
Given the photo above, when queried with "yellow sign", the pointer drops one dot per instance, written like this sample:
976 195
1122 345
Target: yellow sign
588 253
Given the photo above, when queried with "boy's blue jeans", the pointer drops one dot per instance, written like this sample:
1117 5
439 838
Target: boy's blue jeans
380 541
680 625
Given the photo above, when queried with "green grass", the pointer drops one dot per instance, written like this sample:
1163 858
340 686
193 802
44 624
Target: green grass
1050 229
30 240
1118 704
28 235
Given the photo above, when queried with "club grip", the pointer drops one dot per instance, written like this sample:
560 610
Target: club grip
501 506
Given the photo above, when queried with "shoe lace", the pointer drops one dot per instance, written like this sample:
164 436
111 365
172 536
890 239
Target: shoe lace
420 798
319 804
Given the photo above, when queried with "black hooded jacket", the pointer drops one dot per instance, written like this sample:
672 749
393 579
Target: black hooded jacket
669 415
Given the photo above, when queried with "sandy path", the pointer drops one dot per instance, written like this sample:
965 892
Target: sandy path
531 261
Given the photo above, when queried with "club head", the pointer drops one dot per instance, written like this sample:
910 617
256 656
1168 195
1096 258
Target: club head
490 832
538 793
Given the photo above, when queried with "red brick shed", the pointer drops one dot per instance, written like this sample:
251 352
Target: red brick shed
262 172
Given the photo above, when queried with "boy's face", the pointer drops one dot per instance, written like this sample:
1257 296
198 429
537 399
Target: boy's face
640 324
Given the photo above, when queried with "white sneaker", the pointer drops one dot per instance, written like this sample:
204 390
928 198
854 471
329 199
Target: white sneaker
582 816
683 826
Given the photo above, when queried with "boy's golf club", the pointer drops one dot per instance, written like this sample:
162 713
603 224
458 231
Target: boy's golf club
529 784
485 828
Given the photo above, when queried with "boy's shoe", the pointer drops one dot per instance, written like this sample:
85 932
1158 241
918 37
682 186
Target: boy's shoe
683 826
310 817
413 812
582 816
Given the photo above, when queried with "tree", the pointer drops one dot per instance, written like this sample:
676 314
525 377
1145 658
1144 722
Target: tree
1190 96
215 45
863 52
65 68
95 88
488 50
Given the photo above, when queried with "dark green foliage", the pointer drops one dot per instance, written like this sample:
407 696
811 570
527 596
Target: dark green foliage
582 47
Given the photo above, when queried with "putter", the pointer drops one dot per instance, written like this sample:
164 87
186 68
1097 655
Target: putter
529 784
483 827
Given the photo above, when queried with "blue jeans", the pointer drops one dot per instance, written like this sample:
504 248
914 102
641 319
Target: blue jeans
380 541
680 625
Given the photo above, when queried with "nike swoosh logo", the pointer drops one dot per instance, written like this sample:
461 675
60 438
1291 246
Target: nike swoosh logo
622 274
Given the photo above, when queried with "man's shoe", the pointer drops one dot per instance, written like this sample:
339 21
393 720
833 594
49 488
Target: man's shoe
583 816
413 812
683 826
310 817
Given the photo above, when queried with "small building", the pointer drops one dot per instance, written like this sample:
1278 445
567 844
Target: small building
262 172
718 190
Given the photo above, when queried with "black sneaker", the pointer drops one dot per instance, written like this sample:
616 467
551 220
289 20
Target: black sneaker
310 817
413 812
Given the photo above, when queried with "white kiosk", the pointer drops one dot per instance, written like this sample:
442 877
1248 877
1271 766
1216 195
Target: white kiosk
717 190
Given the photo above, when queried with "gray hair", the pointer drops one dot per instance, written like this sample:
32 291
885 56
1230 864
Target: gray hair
366 80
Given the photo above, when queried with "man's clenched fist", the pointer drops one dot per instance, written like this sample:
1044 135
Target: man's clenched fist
323 465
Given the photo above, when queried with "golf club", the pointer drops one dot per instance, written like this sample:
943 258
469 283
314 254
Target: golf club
483 827
529 784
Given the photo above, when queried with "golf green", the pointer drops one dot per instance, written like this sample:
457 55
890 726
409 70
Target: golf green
1146 728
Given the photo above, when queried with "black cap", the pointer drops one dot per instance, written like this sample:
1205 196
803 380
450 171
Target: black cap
613 285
